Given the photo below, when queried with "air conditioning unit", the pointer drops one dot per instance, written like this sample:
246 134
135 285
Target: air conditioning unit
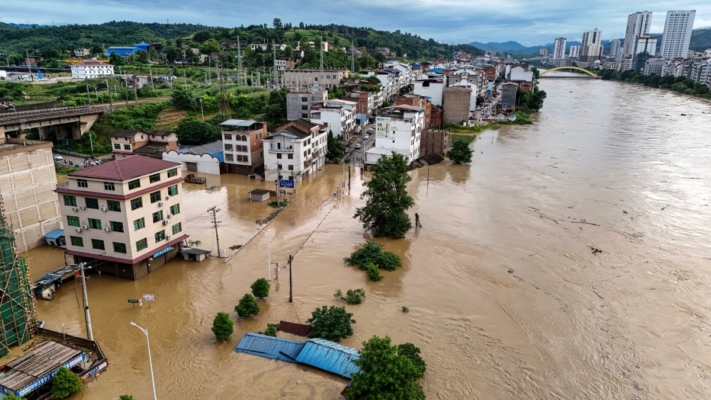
104 209
78 230
82 207
167 198
75 209
160 204
167 237
168 216
165 222
84 227
107 229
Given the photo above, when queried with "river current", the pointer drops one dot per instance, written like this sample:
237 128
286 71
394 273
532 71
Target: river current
570 260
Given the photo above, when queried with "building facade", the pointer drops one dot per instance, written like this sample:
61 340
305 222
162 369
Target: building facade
127 143
574 52
637 25
339 115
397 130
27 183
307 79
559 48
242 140
646 44
616 49
295 151
432 88
677 33
591 48
299 104
125 217
89 69
456 104
434 142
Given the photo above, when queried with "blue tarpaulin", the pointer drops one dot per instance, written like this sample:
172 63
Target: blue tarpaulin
219 154
55 234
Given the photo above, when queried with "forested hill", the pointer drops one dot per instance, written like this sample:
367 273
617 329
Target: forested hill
57 41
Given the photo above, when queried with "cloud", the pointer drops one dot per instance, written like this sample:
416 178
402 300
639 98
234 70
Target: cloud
530 22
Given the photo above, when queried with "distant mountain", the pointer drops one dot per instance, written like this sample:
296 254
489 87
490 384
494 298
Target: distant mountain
503 47
700 39
26 25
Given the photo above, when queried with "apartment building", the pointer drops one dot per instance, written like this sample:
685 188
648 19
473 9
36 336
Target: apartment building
307 79
559 48
365 101
295 150
418 101
591 48
284 63
339 115
457 104
127 143
125 217
27 183
432 88
434 141
89 69
677 33
398 130
242 140
299 104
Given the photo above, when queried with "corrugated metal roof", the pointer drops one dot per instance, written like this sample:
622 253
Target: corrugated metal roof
239 122
55 234
329 356
269 347
219 154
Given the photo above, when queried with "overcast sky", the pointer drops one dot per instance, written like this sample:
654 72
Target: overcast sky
530 22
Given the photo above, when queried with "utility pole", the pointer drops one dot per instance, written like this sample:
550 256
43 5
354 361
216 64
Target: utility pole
108 88
352 58
320 65
291 293
214 210
29 68
276 185
276 72
269 260
87 316
153 85
135 88
88 95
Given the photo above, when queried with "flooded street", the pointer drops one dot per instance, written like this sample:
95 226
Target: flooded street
506 298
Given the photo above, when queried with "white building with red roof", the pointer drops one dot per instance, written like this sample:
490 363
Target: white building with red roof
89 69
124 217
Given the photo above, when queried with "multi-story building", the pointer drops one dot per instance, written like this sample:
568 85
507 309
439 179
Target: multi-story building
295 150
27 183
125 216
591 48
243 144
616 49
284 63
574 52
646 44
89 69
457 104
82 52
559 48
434 142
653 66
432 88
307 79
365 101
299 104
339 115
543 52
418 101
637 25
398 130
508 95
677 33
127 143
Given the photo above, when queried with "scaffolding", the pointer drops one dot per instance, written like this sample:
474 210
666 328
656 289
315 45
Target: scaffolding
18 316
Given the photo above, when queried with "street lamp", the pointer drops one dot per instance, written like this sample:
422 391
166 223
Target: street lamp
150 361
201 112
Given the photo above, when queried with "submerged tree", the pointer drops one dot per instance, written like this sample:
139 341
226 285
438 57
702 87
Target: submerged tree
247 306
260 288
65 383
331 323
222 326
387 200
460 152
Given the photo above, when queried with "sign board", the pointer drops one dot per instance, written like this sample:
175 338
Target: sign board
160 253
286 184
134 301
282 191
149 297
382 127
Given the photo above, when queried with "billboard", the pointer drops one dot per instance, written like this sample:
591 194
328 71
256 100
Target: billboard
382 128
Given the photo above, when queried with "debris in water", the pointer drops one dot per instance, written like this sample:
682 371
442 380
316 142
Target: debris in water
624 212
595 250
665 207
583 221
510 271
268 218
236 247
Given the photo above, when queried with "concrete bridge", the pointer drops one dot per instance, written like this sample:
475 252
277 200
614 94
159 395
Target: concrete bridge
64 122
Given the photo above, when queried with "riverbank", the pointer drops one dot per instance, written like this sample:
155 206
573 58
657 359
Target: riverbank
680 84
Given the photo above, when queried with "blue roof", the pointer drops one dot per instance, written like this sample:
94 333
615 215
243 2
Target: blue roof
437 70
55 234
219 154
329 356
361 118
269 347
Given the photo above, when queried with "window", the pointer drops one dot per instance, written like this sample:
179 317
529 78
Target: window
109 186
94 223
228 136
304 99
139 224
304 115
127 147
117 146
154 178
116 226
82 183
97 244
279 156
77 241
290 156
279 166
155 196
160 236
172 172
113 205
158 216
177 228
141 244
136 203
228 147
291 168
70 201
304 107
119 247
175 209
92 203
73 221
229 157
134 184
291 177
173 190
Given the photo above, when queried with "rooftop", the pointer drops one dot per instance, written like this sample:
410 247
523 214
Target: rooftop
124 169
35 364
125 133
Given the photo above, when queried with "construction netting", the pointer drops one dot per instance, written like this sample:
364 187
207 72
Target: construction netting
17 304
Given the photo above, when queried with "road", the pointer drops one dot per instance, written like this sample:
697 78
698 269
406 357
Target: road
356 156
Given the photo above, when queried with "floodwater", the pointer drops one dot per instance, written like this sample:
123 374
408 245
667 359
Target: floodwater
506 298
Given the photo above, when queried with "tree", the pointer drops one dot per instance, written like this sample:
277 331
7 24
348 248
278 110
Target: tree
222 326
260 288
412 353
210 46
125 397
331 323
172 53
183 99
460 152
387 199
383 374
271 330
372 253
12 397
194 131
116 60
65 383
335 148
247 306
373 273
277 23
352 297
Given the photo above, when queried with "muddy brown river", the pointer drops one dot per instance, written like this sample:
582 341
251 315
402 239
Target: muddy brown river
506 298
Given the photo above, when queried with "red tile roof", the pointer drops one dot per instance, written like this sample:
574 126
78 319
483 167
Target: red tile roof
124 169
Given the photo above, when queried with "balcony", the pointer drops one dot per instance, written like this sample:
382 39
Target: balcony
273 149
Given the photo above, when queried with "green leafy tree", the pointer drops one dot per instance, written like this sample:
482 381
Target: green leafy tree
271 330
460 152
387 199
65 383
183 99
222 326
12 397
210 46
372 253
194 131
125 397
352 297
275 111
260 288
383 374
116 59
172 53
336 151
373 272
247 306
412 353
331 323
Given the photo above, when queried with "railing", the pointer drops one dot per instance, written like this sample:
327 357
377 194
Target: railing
281 150
33 115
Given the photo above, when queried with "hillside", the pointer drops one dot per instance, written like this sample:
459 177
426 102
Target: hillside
700 39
